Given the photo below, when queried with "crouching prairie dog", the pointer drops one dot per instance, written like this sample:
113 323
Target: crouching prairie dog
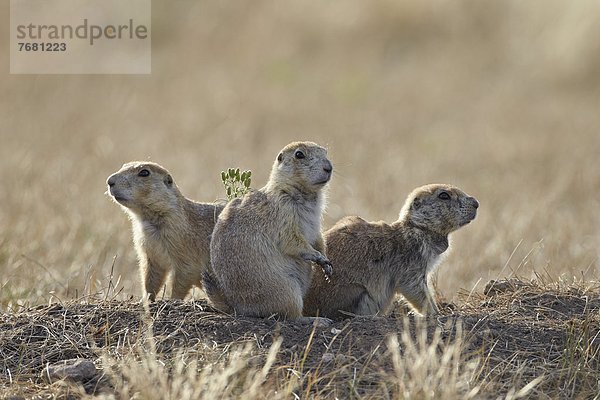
264 243
170 232
374 261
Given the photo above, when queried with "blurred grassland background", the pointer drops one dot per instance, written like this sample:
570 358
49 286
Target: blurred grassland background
500 98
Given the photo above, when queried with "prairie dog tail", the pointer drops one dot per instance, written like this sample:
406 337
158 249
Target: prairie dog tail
213 290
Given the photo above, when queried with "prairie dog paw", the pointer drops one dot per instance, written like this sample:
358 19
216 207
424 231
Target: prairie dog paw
325 265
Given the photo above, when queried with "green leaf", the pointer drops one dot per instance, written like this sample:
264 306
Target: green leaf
247 182
223 176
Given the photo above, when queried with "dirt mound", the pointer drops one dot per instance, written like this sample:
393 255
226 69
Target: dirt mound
519 330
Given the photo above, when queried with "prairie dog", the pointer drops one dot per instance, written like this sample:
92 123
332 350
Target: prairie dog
170 232
374 261
263 244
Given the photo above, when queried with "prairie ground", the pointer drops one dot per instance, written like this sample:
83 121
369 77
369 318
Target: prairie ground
517 340
498 98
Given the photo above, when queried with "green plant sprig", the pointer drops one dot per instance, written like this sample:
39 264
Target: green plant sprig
236 183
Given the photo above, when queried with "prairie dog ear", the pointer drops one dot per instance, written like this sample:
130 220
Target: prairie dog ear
280 157
168 180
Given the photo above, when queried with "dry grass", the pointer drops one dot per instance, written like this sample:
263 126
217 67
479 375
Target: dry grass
521 339
499 98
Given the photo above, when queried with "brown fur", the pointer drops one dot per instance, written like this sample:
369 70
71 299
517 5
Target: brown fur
264 243
170 232
374 261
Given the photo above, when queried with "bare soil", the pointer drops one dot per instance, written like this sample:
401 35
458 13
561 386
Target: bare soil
521 330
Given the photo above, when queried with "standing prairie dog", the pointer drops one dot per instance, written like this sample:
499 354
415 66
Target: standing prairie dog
374 261
170 232
263 244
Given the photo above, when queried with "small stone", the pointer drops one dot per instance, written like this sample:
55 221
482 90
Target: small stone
336 331
78 370
328 357
342 358
321 322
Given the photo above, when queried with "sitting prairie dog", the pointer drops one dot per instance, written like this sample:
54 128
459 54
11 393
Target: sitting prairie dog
263 244
374 261
170 232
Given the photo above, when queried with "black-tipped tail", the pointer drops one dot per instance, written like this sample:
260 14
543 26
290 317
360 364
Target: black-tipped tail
213 290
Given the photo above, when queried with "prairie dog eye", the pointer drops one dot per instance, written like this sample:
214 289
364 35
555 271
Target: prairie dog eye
299 155
144 173
444 196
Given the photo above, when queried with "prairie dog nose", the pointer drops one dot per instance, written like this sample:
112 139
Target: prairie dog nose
474 202
328 167
111 181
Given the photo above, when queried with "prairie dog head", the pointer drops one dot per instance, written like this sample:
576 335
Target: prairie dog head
302 165
440 208
143 187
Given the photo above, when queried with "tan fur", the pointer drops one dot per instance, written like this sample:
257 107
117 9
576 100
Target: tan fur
263 244
374 261
170 232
